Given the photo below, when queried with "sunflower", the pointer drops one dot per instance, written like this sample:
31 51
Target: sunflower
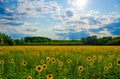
48 58
94 57
118 62
105 68
60 63
100 57
80 68
29 77
24 63
39 68
88 58
49 76
42 61
2 62
91 60
110 65
110 56
69 61
44 66
12 61
53 60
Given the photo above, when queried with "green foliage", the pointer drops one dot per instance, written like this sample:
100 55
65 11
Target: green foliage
105 40
36 39
93 40
6 40
19 42
90 40
114 41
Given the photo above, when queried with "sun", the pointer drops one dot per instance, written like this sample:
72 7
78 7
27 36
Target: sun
81 4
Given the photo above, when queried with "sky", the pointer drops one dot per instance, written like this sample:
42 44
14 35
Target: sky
60 19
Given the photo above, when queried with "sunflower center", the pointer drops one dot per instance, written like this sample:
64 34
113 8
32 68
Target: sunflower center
118 62
24 62
80 68
39 68
44 66
110 64
42 61
49 76
91 61
88 58
68 60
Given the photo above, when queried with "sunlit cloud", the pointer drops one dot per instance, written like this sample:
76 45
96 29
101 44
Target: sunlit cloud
78 4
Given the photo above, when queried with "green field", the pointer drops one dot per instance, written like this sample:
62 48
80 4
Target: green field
60 62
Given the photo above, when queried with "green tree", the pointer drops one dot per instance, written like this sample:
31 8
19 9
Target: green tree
6 40
90 40
104 40
114 41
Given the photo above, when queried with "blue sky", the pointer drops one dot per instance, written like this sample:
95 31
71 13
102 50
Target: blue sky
60 19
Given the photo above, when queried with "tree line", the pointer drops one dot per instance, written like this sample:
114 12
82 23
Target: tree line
90 40
93 40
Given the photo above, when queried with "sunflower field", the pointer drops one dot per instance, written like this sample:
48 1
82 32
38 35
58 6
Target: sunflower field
59 62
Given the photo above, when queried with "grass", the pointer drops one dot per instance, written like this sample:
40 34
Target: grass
59 62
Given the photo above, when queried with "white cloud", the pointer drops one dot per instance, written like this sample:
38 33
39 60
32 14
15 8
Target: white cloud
28 29
37 8
2 21
103 33
87 20
9 10
78 4
25 28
